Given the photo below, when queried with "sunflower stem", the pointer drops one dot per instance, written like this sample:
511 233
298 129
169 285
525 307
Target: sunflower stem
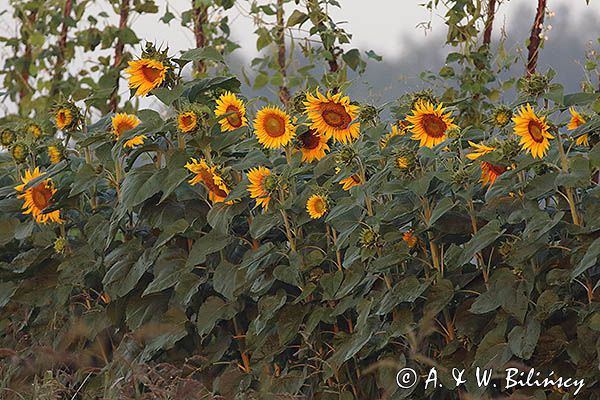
565 167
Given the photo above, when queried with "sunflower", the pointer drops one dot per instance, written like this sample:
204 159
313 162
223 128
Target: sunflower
123 122
501 116
397 130
313 145
576 121
34 130
134 141
228 103
317 206
490 172
533 131
7 137
187 121
429 123
54 154
208 175
479 150
37 198
350 182
145 75
409 238
332 116
259 180
63 118
273 127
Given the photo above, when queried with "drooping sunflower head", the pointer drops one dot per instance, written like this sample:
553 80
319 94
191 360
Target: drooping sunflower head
490 172
261 185
134 141
123 122
533 131
54 153
333 116
576 119
429 124
7 137
19 152
187 121
145 75
317 206
351 181
501 116
312 144
273 127
37 198
66 116
34 130
232 112
217 188
479 149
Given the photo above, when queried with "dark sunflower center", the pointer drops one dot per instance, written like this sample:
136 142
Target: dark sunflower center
434 126
235 119
63 117
123 127
40 195
188 121
274 126
535 130
320 206
150 73
496 169
310 140
335 115
207 178
355 178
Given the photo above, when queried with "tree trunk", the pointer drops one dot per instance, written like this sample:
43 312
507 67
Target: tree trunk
534 39
284 92
62 48
200 19
120 47
489 22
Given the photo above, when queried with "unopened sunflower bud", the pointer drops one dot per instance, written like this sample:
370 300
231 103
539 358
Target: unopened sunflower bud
34 130
422 96
7 137
370 238
534 85
501 116
298 102
19 152
368 114
461 177
346 155
60 244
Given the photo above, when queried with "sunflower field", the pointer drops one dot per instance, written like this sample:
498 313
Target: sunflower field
268 236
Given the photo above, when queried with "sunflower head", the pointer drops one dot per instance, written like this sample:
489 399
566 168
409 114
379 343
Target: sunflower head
423 96
490 172
213 180
333 116
7 137
134 141
405 159
429 124
187 121
54 153
576 119
368 114
262 184
501 116
397 130
66 116
231 112
34 130
346 156
351 181
534 85
60 245
37 198
370 238
479 149
273 127
19 152
123 122
312 144
533 130
317 206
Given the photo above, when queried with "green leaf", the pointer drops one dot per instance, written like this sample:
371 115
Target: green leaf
523 339
296 18
589 260
203 54
212 311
